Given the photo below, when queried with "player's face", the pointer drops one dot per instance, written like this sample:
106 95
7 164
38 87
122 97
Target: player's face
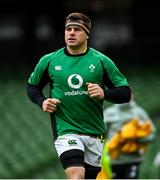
75 36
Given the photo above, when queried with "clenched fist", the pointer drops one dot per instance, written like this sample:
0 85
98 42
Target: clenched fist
95 90
49 105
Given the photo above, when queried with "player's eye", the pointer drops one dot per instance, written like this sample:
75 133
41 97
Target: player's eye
68 29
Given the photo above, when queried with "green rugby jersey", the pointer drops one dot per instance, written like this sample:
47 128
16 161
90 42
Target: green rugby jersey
68 75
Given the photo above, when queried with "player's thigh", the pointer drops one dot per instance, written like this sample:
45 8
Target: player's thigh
70 150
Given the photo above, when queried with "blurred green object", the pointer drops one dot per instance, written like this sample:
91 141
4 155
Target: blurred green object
106 162
27 150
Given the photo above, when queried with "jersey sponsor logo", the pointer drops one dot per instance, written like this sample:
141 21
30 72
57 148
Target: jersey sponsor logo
72 142
74 93
76 78
75 81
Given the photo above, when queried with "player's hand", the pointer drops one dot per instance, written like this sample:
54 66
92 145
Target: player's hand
95 91
49 105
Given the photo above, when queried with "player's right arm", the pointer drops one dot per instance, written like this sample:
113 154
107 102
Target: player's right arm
37 81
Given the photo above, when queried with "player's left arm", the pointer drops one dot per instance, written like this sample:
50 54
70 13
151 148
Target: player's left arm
117 95
115 86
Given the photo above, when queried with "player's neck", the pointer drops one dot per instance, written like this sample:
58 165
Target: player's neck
77 50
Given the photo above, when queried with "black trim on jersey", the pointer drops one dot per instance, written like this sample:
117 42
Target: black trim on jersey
106 80
68 54
35 92
54 126
70 158
121 94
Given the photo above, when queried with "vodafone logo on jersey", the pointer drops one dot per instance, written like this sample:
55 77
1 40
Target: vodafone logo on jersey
75 81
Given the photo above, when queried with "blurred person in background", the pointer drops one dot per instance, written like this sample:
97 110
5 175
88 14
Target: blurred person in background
129 132
80 79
